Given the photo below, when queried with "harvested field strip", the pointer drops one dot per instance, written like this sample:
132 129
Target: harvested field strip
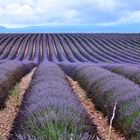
9 113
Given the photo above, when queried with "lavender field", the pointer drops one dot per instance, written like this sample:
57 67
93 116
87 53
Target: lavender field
96 48
106 67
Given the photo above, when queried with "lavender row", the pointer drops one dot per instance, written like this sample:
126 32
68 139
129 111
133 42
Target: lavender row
105 89
119 50
10 73
50 111
131 72
96 48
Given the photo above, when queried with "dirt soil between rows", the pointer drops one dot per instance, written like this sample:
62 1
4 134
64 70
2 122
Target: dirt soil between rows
8 114
97 117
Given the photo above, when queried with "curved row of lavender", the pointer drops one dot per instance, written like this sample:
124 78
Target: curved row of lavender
96 48
105 89
10 73
50 110
131 72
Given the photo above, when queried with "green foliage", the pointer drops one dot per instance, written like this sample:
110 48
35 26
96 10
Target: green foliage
1 137
125 105
14 92
54 129
128 121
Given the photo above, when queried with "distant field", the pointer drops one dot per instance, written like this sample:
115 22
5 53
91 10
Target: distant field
95 48
70 86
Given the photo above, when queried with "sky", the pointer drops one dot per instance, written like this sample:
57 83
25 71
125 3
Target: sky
21 13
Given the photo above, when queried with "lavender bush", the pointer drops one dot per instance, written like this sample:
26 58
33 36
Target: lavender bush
50 111
23 48
131 72
9 46
74 49
82 50
10 73
68 52
69 47
105 88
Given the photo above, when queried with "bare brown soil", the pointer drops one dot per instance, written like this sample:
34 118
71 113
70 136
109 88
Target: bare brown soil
96 116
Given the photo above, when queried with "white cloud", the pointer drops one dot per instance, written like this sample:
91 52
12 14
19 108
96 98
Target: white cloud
105 5
19 10
130 17
36 12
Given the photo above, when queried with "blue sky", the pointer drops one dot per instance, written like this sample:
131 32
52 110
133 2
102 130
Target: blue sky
20 13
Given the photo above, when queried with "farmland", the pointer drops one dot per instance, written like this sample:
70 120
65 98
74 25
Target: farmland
51 106
96 48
